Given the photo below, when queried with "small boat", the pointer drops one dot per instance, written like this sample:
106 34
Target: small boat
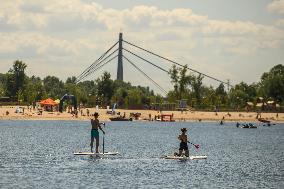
120 119
263 120
245 126
249 126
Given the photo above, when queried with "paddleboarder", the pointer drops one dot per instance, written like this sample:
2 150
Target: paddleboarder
183 143
96 125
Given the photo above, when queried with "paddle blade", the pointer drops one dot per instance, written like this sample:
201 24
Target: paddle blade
196 146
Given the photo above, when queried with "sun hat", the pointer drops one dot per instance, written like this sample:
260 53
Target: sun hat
183 129
96 114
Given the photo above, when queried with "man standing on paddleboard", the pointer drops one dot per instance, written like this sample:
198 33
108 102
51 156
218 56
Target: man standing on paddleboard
183 143
96 125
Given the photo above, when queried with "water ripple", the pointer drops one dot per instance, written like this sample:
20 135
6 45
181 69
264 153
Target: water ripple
39 154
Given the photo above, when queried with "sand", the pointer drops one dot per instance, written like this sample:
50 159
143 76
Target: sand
177 115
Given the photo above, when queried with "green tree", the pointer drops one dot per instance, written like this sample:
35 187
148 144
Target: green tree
34 90
221 95
16 79
105 87
71 80
180 80
89 87
272 84
134 98
210 99
119 97
77 91
54 87
2 84
120 93
88 92
175 79
242 93
196 83
186 86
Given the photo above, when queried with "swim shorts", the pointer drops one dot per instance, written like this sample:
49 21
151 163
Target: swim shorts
183 146
95 133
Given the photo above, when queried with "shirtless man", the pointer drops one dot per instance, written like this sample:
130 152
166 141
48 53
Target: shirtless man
96 125
183 143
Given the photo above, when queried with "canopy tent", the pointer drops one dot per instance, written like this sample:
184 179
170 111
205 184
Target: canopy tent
260 105
249 103
48 104
260 98
270 102
48 101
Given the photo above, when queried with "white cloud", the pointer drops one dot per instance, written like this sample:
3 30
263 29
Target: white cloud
12 14
44 45
60 32
276 6
279 22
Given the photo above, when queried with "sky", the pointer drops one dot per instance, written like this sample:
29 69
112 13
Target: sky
227 39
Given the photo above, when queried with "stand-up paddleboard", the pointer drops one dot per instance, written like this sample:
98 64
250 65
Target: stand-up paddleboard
93 153
185 158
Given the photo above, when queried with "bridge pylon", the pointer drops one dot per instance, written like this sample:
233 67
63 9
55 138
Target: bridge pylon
119 75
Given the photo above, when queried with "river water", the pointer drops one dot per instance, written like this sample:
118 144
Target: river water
39 154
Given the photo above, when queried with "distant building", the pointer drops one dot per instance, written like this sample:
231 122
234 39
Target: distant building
182 105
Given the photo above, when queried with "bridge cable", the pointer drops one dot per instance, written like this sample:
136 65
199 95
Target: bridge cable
90 71
93 64
177 63
146 61
97 68
157 85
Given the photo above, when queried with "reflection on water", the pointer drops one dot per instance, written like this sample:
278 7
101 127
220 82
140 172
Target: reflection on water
39 154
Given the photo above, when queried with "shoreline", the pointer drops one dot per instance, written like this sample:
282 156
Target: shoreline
178 116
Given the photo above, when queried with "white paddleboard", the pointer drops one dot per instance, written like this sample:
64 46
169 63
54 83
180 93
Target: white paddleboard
185 158
93 153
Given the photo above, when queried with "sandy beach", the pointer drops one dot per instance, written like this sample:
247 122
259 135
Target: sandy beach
145 115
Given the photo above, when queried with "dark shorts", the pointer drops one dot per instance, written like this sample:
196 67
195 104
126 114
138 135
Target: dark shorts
183 146
95 133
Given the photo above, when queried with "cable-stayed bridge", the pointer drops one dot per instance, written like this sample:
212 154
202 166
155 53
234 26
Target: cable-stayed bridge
119 52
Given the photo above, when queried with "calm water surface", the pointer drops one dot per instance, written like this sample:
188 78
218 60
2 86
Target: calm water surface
39 154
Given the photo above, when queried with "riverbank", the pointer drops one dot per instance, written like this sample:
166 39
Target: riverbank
8 113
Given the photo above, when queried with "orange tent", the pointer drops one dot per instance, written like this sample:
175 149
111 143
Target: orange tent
49 102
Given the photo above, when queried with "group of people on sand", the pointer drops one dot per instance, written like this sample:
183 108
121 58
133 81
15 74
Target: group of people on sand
96 126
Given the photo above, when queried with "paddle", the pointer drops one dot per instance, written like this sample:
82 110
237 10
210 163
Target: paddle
195 145
103 143
104 139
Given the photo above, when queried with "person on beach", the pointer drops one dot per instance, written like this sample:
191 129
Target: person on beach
96 125
183 143
222 121
237 125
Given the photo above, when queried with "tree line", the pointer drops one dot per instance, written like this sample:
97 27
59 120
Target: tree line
104 91
190 86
